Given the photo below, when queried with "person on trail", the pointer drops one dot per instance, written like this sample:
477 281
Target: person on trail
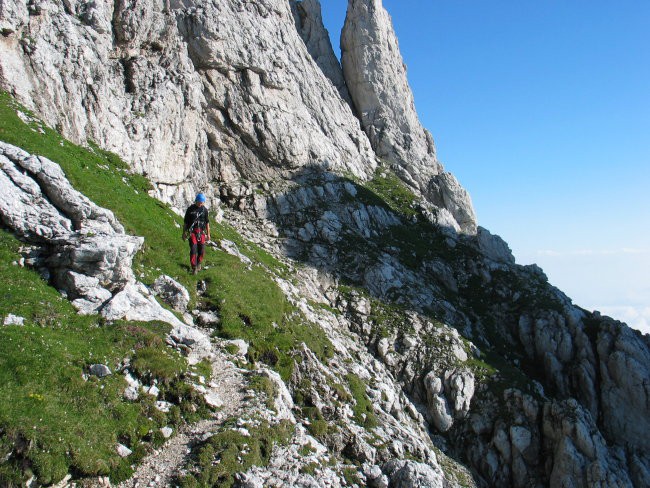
197 228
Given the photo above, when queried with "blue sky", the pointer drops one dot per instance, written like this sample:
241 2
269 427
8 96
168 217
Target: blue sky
542 111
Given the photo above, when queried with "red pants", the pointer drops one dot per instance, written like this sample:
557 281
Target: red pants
197 247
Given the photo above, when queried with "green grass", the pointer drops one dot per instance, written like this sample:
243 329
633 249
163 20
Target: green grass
104 178
390 190
252 307
317 425
267 387
363 412
50 417
226 453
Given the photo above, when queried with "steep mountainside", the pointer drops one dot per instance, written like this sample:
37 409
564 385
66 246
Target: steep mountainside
354 325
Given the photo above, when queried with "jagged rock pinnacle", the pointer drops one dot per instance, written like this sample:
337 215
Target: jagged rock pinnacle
376 77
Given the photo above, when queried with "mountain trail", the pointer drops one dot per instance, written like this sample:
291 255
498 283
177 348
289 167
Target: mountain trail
162 466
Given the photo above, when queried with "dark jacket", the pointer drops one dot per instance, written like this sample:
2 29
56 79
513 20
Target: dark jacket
196 217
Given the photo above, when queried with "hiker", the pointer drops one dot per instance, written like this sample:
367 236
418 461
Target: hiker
197 228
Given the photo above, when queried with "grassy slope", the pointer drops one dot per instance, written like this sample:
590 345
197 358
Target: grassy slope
50 417
51 420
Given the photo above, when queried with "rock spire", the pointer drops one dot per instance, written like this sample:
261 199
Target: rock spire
375 74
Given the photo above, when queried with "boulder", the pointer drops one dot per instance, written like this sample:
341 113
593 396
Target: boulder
231 248
107 257
213 400
461 386
359 450
241 345
100 370
135 302
411 474
171 292
123 451
375 477
12 319
246 480
23 208
131 393
208 319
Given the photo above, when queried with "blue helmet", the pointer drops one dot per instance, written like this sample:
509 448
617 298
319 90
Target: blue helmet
200 198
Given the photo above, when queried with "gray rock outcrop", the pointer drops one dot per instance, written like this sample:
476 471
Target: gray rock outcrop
100 370
409 474
77 237
376 78
608 372
584 459
171 292
494 247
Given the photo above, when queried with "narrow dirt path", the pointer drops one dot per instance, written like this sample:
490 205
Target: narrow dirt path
159 468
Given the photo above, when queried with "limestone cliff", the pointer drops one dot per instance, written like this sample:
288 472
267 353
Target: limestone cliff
467 358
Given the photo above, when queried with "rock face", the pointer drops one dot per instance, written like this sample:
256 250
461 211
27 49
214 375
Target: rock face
219 93
408 474
88 68
483 293
272 108
205 91
309 21
376 77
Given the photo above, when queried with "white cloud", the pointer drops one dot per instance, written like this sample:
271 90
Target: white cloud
592 252
636 317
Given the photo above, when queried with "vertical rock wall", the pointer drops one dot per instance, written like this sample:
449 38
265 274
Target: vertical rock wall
309 22
93 71
200 95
